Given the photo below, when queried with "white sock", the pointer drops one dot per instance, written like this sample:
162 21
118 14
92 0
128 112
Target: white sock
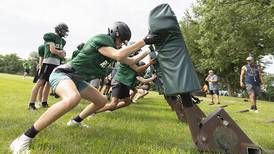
25 138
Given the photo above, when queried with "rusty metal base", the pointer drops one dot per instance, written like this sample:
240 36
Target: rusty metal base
216 132
176 105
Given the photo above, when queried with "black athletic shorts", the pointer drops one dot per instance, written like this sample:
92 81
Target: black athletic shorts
119 90
26 70
46 70
36 77
212 92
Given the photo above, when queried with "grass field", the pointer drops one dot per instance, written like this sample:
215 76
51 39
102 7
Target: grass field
148 126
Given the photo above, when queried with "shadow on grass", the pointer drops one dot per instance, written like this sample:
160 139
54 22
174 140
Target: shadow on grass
134 115
109 139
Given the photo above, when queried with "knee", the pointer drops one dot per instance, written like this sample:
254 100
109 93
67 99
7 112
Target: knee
73 100
102 102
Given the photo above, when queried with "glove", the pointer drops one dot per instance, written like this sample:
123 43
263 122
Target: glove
151 48
151 39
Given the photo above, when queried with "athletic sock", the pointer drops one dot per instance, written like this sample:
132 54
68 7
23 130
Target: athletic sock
32 132
255 107
78 119
44 103
31 104
252 107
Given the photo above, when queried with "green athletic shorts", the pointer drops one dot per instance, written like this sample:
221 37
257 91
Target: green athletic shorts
56 77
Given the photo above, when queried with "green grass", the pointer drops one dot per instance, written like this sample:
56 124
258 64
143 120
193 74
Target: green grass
148 126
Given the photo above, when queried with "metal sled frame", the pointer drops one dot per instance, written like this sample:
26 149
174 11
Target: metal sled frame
214 133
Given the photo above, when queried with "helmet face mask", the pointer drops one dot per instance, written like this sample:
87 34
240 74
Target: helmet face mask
120 30
62 30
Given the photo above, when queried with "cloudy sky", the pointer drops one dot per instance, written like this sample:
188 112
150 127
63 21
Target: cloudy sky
23 22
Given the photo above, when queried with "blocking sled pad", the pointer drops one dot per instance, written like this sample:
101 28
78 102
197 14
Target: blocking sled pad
177 70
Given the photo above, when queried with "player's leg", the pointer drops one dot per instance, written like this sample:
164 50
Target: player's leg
70 96
45 95
96 99
34 93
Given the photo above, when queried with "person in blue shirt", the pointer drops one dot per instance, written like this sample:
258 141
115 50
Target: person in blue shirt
251 78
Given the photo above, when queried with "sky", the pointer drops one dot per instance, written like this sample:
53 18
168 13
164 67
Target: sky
24 22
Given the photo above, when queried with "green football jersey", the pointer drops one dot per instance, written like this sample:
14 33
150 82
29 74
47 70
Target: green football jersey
75 53
126 75
41 50
26 65
57 40
90 63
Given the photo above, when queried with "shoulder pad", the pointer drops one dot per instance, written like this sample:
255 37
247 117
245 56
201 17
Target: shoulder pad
49 37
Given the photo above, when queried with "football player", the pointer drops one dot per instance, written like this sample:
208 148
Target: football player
123 81
76 52
41 53
68 80
54 44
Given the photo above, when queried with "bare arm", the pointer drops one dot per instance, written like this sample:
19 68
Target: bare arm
207 78
143 80
121 54
242 76
140 69
135 59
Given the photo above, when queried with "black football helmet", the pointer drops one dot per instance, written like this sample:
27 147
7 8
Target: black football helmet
62 30
80 46
121 30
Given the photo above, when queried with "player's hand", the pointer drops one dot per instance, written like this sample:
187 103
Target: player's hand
62 53
154 76
151 39
152 62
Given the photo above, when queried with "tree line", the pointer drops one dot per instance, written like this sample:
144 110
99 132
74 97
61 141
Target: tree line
220 34
13 64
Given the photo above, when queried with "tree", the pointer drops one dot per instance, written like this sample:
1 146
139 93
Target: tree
222 33
11 63
269 91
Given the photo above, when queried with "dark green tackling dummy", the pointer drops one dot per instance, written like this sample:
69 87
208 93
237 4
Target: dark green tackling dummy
91 60
177 70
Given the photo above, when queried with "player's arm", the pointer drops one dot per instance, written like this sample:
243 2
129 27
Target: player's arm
140 69
135 59
121 54
143 80
53 50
